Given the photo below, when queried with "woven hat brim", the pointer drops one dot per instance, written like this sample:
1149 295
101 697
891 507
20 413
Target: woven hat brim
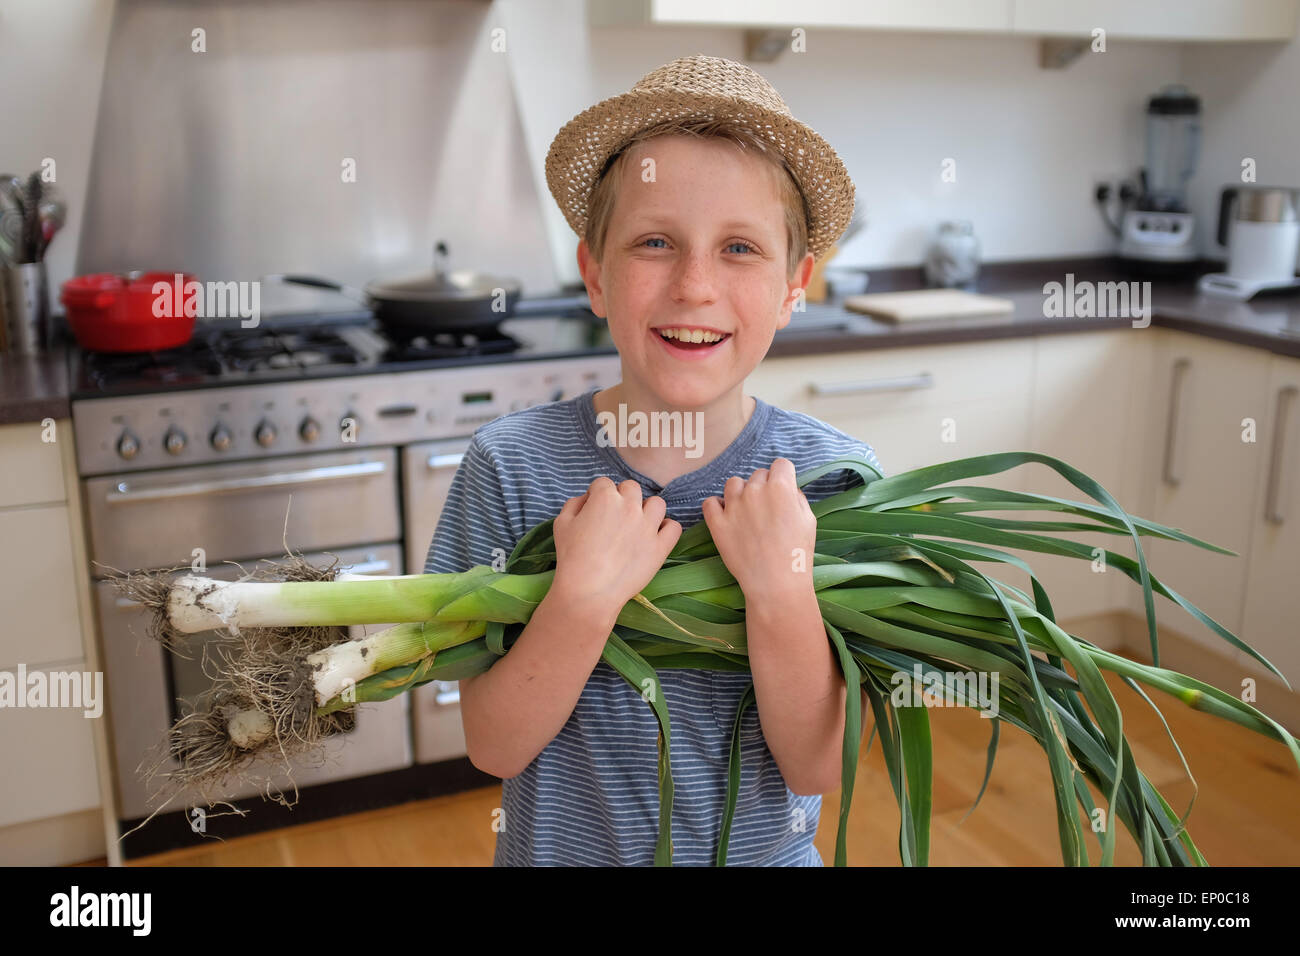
580 149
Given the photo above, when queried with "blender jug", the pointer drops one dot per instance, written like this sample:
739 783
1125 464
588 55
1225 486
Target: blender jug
1173 138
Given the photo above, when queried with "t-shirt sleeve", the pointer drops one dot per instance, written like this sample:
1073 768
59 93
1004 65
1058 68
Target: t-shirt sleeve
475 519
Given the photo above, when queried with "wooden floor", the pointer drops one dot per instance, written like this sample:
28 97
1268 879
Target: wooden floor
1247 811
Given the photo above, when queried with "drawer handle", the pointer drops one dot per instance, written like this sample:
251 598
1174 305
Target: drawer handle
448 693
1272 500
368 567
1172 477
124 491
902 383
438 462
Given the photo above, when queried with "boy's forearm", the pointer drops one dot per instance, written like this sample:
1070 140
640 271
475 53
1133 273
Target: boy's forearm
798 687
518 706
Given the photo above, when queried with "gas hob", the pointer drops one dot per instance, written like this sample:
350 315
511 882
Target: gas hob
295 387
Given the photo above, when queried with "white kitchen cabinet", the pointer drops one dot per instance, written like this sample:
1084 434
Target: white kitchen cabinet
41 622
32 464
914 406
1189 20
1272 613
1087 410
1175 20
53 759
1202 474
48 754
990 16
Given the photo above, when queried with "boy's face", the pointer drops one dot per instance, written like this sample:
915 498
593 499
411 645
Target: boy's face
701 246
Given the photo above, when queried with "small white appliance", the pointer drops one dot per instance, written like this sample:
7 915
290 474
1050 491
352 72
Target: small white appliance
1260 225
1158 231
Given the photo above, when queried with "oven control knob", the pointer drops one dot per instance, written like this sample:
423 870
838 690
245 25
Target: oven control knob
174 441
220 438
309 430
128 446
264 434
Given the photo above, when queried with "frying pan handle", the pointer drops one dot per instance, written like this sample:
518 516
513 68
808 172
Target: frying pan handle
312 281
317 282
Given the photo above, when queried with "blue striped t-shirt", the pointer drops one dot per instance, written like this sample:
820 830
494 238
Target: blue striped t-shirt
591 797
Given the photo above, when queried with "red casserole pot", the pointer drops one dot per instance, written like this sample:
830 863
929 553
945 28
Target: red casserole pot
110 313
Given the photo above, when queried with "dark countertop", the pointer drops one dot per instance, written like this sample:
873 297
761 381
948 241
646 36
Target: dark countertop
33 388
1270 321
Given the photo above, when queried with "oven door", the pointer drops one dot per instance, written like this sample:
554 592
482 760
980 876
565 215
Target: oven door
243 510
427 470
145 682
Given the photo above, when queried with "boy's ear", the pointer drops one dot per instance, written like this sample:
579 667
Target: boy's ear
590 269
802 276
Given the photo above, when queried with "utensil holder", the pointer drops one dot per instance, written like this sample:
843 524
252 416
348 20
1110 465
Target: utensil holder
25 302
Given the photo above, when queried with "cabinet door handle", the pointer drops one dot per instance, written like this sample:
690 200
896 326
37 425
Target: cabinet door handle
1171 428
439 462
900 384
1273 497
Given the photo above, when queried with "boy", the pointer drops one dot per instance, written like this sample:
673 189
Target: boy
697 237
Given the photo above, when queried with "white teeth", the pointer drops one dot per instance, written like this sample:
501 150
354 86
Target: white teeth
691 335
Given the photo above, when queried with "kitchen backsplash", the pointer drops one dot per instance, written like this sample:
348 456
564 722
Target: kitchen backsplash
335 138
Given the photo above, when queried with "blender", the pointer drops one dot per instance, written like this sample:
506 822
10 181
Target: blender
1157 233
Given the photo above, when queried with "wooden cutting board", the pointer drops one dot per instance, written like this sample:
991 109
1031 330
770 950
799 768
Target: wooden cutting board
927 304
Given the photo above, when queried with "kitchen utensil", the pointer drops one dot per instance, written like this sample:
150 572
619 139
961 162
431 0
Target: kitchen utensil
1158 230
112 313
53 213
31 213
13 214
25 302
457 301
31 219
1263 238
11 232
928 304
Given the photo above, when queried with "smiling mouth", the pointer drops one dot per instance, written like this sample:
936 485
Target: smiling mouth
691 339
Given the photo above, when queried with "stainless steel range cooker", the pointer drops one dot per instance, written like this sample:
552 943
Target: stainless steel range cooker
311 430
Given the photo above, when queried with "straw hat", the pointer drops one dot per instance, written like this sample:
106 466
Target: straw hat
700 87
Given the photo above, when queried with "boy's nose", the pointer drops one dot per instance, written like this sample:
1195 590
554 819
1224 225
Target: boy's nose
694 279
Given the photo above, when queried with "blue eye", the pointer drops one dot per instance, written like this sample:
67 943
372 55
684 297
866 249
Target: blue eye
655 239
738 242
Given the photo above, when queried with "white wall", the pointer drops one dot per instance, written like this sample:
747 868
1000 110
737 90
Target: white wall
1250 94
51 67
1028 142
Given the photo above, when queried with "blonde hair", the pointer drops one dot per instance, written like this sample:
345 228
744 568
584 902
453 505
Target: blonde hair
600 206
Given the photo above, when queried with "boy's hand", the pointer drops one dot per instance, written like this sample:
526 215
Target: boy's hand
765 531
609 543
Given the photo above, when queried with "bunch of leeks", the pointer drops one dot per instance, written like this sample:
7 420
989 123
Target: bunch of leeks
900 596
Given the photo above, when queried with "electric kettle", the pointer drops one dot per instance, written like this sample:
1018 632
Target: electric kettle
1260 225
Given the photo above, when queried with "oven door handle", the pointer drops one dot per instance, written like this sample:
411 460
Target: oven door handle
125 492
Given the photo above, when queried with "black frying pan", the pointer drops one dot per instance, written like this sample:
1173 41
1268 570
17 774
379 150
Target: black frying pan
460 301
